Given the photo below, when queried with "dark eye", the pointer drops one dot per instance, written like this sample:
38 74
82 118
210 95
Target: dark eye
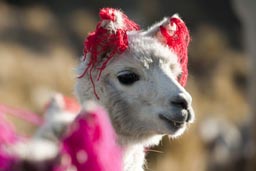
127 77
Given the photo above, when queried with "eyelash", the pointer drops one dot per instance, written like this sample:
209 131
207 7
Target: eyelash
128 78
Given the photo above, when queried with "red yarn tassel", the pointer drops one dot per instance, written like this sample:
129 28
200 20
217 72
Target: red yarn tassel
179 42
105 40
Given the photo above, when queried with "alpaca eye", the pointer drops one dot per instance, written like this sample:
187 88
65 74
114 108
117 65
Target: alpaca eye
127 77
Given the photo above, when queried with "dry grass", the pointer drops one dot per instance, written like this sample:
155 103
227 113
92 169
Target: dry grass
27 80
23 74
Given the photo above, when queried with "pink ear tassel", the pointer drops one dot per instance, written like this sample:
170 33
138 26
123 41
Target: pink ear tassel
178 41
71 105
108 39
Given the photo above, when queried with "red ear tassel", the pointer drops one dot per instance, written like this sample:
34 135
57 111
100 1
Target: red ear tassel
107 14
109 38
178 42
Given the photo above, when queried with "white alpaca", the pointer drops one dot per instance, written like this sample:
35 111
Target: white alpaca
140 90
60 112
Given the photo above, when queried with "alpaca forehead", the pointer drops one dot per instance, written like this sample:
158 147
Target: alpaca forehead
146 54
149 50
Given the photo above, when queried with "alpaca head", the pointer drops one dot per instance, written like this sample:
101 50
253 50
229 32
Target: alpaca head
60 111
138 76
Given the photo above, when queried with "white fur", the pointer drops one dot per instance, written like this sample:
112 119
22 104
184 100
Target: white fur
35 150
134 110
56 119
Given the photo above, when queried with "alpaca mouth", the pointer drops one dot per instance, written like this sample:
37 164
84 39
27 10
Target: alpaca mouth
174 124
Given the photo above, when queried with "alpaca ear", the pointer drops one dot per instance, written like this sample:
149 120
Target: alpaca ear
110 33
169 28
173 32
108 39
153 30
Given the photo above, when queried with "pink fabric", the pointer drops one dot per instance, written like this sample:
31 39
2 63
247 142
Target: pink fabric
8 134
91 144
6 161
22 114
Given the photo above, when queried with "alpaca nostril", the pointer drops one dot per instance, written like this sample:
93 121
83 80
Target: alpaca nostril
180 101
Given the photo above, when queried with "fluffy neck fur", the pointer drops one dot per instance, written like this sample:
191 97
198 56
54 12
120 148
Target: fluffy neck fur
134 152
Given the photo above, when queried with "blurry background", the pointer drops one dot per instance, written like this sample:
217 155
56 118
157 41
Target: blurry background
41 42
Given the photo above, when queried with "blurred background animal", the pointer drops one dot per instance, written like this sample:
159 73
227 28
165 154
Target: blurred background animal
59 113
